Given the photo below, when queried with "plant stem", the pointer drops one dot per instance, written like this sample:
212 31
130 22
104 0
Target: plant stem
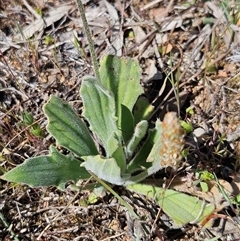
124 203
89 39
121 200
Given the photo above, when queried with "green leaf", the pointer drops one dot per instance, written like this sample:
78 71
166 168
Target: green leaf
121 76
51 170
104 168
187 126
180 207
206 175
190 110
143 175
67 128
96 194
139 132
128 122
142 109
204 186
154 154
27 118
139 161
99 110
237 199
37 131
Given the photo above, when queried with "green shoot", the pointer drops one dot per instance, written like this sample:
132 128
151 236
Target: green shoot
48 40
35 128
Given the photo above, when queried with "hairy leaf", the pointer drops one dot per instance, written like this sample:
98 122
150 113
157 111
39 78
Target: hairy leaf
139 161
105 168
121 76
67 128
128 123
99 110
180 207
142 110
51 170
139 132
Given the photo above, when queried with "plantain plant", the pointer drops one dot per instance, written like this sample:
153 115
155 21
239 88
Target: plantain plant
130 151
112 140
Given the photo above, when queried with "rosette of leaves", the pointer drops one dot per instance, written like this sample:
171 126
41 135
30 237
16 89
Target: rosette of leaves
111 140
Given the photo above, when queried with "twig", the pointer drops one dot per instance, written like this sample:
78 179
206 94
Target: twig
150 5
151 35
30 9
59 214
202 69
